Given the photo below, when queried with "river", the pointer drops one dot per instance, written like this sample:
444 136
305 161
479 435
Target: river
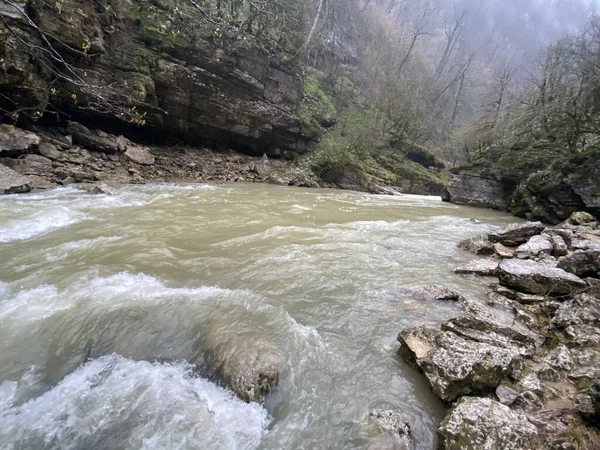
102 300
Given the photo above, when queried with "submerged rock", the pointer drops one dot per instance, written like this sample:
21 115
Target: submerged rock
394 431
534 278
517 233
484 424
250 367
12 182
104 189
479 245
483 267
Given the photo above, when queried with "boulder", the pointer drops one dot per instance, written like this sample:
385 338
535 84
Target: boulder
393 431
140 155
263 167
582 263
484 424
535 246
104 189
534 278
428 292
12 182
480 245
580 218
31 165
579 318
503 251
49 150
559 358
516 233
469 355
483 267
92 140
506 395
587 403
250 367
15 142
559 246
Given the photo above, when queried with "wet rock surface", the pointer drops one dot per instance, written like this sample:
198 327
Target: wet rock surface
393 429
523 364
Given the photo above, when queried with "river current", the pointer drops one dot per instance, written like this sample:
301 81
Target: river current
103 298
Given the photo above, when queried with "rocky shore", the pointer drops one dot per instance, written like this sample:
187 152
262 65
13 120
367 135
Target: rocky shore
521 369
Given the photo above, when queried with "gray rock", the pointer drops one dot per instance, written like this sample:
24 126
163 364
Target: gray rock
534 278
476 188
251 368
104 189
468 355
49 150
484 424
582 309
31 165
428 292
483 267
264 167
593 286
535 246
503 251
140 155
582 262
559 245
14 141
587 403
581 218
394 431
92 140
506 395
479 245
516 233
12 182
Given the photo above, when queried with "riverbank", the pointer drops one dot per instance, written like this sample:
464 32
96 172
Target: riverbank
521 368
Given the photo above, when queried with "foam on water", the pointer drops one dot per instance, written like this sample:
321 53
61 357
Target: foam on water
38 223
114 402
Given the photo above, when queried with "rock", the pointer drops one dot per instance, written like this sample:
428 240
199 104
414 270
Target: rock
503 251
587 403
534 278
251 368
394 431
122 143
559 245
476 188
31 165
468 355
428 292
580 320
15 142
582 263
581 218
517 233
484 424
49 150
559 358
506 395
535 246
480 245
104 189
140 155
37 182
483 267
92 140
593 286
12 182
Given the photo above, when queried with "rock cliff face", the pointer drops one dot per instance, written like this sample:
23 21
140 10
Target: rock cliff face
180 77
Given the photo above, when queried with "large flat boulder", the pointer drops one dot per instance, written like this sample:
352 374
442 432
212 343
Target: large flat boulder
516 233
427 292
92 139
533 278
14 141
469 355
484 424
486 267
140 155
535 246
12 182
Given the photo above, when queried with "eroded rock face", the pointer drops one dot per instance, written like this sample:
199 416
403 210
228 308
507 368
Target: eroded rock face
476 188
517 233
12 182
14 141
484 424
394 431
533 278
468 355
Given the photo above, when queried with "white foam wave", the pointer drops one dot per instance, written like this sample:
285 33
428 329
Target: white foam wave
38 223
114 402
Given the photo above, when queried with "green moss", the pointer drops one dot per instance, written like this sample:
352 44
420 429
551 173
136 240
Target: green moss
584 383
